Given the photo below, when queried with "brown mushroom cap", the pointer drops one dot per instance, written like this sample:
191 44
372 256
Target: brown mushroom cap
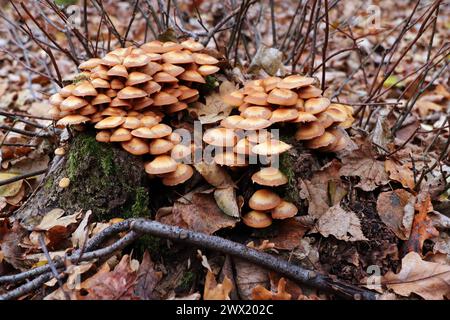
183 173
101 99
337 112
142 103
282 97
206 70
160 146
257 219
101 72
309 92
135 146
158 131
309 131
99 83
192 45
341 142
316 105
66 91
324 140
271 147
151 68
87 110
117 84
253 124
231 122
257 112
270 177
304 117
135 78
295 81
192 75
84 89
284 114
235 98
118 71
324 119
270 83
136 60
263 200
164 77
90 64
56 99
131 93
172 69
131 122
163 98
118 112
72 103
259 136
180 151
243 146
284 210
161 164
120 135
221 137
187 93
103 136
111 59
230 159
202 58
257 98
72 120
149 121
177 57
116 102
110 122
176 107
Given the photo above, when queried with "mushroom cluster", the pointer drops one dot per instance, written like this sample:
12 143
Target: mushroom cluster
126 94
293 99
267 205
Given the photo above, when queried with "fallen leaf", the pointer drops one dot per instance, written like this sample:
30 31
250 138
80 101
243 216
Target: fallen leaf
396 210
112 285
227 201
261 293
204 260
215 291
214 174
147 279
55 218
422 228
268 59
344 225
10 189
429 280
202 215
363 163
80 234
324 190
400 173
9 244
249 275
290 232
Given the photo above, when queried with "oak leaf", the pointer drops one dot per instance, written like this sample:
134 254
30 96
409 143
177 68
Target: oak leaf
215 291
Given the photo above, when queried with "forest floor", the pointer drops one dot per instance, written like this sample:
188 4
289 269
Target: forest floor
375 215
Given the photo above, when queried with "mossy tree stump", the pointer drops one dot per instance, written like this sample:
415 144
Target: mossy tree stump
103 178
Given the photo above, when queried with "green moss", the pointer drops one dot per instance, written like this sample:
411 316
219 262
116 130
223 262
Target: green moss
49 183
186 281
211 82
140 205
286 166
87 147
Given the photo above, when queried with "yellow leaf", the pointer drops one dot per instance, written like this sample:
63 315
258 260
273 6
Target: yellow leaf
10 189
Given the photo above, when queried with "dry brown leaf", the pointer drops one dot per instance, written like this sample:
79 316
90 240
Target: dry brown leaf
55 218
214 174
202 214
344 225
400 173
215 291
426 107
261 293
227 201
422 228
80 234
290 233
248 276
429 280
362 163
112 285
396 210
324 190
147 279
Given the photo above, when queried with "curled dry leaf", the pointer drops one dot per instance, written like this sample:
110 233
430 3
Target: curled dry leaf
429 280
227 201
147 279
214 174
55 218
422 228
290 232
342 224
400 173
261 293
80 235
10 189
363 163
215 291
396 210
324 190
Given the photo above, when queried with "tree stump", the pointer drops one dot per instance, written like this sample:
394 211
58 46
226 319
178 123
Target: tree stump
103 178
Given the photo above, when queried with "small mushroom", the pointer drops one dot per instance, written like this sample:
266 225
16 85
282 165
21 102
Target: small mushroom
72 103
270 176
309 131
136 146
257 219
131 93
284 210
263 200
235 98
121 135
160 146
110 122
271 147
295 81
316 105
182 173
257 112
135 78
221 137
103 136
282 97
72 119
161 164
324 140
